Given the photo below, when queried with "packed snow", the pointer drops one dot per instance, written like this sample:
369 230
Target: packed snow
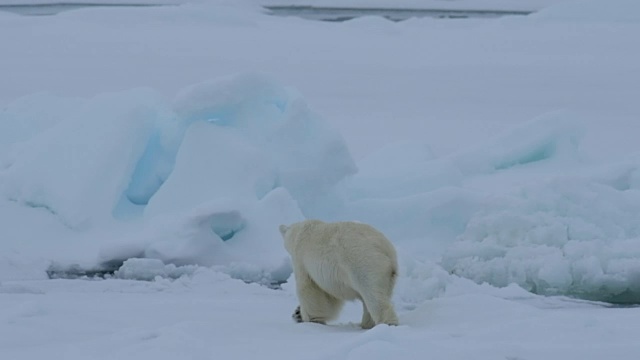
145 168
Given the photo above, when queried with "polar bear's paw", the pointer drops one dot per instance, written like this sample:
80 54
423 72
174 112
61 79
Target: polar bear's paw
297 316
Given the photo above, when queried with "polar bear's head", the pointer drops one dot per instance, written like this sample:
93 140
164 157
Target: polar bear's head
292 233
283 230
288 237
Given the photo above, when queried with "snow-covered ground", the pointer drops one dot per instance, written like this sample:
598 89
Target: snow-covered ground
168 143
207 316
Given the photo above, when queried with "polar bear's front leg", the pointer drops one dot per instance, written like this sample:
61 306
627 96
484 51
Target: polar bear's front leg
297 315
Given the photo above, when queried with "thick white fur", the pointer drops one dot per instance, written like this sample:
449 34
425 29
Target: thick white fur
334 262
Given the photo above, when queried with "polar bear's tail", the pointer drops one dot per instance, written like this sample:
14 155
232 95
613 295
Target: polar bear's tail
394 277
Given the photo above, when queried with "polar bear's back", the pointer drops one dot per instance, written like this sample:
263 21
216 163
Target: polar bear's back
340 254
350 239
359 243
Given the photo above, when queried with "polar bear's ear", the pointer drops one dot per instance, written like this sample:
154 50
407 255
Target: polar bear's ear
283 229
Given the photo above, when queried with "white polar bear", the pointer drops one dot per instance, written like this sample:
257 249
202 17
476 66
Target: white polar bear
334 262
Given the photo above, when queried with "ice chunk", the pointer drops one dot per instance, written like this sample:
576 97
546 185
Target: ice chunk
119 154
271 129
234 101
238 237
155 163
227 225
192 239
571 236
213 163
149 269
520 209
238 136
252 102
28 116
79 168
419 281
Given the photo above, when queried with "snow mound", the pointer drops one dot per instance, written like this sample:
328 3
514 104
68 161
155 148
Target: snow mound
571 236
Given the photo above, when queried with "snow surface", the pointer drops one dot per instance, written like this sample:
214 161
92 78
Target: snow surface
208 315
499 156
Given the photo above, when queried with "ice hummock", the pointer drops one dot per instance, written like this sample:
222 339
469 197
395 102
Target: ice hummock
239 136
206 179
574 236
231 236
202 180
526 208
78 168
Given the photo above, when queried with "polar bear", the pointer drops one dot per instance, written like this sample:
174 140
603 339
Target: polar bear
334 262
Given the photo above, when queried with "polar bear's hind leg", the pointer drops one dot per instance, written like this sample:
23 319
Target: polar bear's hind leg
375 293
316 305
367 320
380 310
